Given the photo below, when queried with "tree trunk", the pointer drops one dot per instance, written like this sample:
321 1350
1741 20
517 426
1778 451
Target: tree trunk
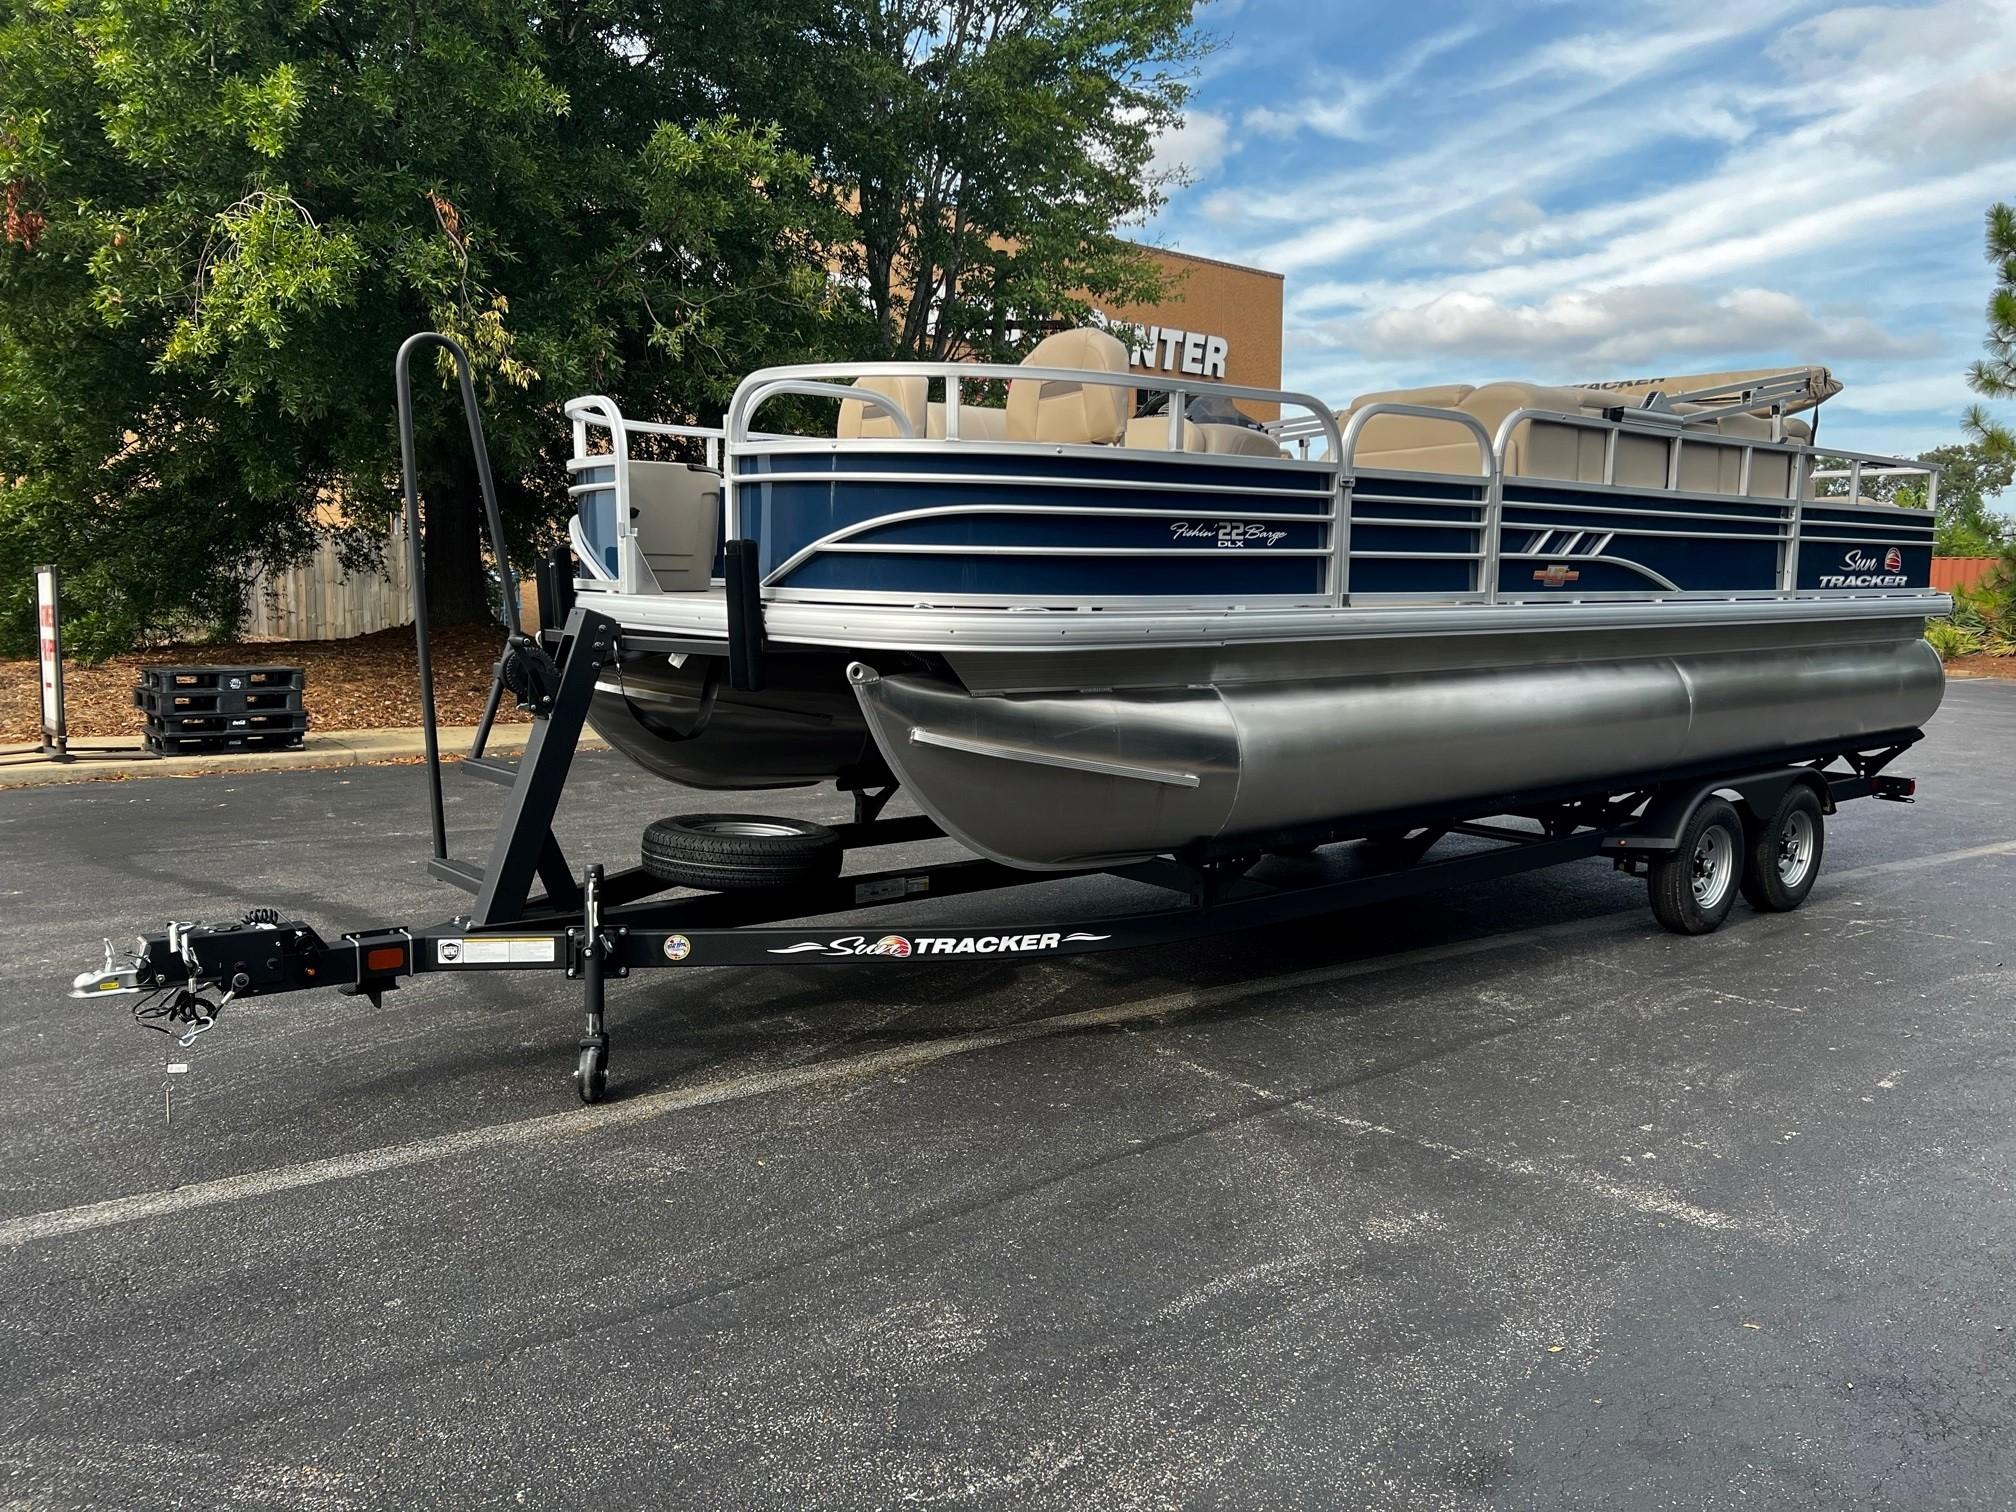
458 592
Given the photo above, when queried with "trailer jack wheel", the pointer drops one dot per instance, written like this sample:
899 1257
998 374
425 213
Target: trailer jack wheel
591 1071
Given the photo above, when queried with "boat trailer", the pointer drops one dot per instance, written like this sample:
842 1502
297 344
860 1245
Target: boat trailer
1696 834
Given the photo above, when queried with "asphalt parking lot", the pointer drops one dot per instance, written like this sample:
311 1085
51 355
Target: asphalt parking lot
1501 1199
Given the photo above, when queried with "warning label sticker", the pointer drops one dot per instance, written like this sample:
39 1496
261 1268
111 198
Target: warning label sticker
496 950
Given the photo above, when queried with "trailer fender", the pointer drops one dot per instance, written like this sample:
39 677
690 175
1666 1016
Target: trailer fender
1755 794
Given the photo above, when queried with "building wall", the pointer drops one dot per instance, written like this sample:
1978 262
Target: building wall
1241 306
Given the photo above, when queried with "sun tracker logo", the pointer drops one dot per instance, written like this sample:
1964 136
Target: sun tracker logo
1860 569
897 945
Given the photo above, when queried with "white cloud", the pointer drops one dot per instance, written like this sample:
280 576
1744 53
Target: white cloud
1639 325
1716 187
1963 118
1345 106
1195 149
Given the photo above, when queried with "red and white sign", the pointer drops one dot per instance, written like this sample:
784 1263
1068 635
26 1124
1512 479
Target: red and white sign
50 649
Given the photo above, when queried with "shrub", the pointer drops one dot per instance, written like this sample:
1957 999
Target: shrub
1951 639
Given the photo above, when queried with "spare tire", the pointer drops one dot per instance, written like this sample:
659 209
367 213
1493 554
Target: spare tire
731 852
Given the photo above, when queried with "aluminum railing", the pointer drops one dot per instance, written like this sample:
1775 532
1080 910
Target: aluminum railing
1314 423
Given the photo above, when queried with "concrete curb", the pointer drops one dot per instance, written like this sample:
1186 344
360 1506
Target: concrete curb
20 768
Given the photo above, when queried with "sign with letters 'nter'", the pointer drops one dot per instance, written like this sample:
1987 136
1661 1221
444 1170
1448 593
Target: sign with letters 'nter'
1168 350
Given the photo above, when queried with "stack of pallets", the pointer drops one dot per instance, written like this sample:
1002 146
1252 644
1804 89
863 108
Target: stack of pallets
195 709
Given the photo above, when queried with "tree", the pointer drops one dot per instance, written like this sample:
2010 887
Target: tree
984 150
221 218
1994 377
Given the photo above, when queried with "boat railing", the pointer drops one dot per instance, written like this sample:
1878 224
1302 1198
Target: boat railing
1870 465
1483 504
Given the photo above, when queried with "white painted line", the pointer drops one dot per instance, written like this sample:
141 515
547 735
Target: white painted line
161 1204
1642 1197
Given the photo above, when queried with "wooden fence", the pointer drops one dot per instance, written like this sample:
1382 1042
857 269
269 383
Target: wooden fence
1950 573
318 600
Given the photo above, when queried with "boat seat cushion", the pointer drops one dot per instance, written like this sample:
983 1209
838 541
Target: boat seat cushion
1151 433
1414 443
1238 440
866 422
1072 414
976 422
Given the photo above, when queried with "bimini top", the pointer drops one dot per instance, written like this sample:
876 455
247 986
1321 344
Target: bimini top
1789 389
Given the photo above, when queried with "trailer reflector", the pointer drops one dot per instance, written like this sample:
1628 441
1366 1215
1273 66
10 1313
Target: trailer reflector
385 958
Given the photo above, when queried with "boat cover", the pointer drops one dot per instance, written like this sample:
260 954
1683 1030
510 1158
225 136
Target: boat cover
1821 385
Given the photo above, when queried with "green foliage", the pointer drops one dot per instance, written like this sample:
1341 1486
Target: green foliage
1987 611
221 219
985 150
1951 640
1994 376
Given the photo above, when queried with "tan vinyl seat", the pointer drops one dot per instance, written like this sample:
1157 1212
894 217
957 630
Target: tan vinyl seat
1239 441
1068 413
865 422
1415 443
1553 449
1151 433
976 422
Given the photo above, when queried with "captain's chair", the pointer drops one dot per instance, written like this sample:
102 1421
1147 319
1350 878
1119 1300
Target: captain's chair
1067 412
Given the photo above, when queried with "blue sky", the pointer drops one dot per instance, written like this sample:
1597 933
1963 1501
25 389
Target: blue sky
1568 192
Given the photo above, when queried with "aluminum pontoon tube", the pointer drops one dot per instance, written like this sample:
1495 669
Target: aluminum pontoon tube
1065 780
683 721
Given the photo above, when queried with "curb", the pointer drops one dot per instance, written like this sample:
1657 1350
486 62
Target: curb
20 768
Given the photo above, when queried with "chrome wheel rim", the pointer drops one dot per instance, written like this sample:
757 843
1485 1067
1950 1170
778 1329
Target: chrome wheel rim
1795 848
747 829
1714 865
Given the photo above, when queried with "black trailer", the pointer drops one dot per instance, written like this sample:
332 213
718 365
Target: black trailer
1699 836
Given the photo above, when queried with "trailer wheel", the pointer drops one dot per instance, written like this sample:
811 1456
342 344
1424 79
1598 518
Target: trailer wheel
591 1073
732 852
1785 854
1693 889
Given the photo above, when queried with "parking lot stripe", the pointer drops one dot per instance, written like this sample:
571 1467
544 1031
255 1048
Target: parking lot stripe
253 1184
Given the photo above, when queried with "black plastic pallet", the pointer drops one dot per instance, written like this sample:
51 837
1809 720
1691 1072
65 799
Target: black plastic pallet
243 740
230 679
166 702
208 723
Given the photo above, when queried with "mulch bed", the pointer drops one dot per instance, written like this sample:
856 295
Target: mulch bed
368 683
1981 664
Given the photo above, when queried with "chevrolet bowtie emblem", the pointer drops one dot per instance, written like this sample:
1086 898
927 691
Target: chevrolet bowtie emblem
1555 575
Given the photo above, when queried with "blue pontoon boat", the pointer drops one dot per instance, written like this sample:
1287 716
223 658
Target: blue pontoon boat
1078 633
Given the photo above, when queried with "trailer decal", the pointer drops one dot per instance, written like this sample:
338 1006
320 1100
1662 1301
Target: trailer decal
898 945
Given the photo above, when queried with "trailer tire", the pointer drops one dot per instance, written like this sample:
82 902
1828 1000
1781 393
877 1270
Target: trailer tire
736 852
1785 853
1693 889
591 1073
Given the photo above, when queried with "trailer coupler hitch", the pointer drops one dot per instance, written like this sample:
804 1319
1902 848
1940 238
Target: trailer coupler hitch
185 976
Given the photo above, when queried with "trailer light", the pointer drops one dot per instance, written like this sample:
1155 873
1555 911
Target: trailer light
385 958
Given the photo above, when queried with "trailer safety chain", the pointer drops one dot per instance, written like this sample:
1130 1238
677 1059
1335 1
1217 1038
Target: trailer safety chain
176 1006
